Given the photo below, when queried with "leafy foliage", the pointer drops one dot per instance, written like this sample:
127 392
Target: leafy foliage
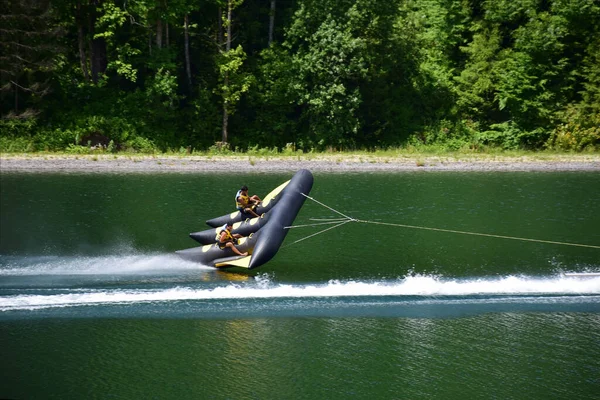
149 76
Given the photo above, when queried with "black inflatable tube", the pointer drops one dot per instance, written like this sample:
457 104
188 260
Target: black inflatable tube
266 241
244 228
212 254
280 217
236 216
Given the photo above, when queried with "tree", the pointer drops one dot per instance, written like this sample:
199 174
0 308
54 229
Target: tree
233 81
28 50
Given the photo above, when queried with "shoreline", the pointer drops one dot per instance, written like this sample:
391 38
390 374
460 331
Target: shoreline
317 163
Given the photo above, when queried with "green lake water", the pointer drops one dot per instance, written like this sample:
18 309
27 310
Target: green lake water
440 295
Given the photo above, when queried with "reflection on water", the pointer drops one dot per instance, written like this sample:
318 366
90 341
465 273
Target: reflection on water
231 276
544 355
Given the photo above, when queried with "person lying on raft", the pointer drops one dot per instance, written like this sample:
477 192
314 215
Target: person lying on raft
228 239
246 204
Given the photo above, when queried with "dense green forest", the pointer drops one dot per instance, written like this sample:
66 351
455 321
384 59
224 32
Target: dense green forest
192 75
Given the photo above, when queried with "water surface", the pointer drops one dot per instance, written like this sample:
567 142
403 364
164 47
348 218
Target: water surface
94 303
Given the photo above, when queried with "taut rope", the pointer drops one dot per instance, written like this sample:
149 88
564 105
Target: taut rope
480 234
346 219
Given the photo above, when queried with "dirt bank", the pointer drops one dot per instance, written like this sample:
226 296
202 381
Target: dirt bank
321 163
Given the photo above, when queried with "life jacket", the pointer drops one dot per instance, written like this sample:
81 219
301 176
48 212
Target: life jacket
246 200
227 233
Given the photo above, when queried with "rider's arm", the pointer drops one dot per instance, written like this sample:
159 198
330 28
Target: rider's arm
223 237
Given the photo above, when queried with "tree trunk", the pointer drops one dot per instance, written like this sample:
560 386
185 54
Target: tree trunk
226 80
186 36
159 33
16 98
98 60
81 43
167 33
228 46
220 30
82 57
271 21
225 122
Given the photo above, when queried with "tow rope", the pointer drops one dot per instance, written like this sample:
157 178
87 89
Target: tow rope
342 221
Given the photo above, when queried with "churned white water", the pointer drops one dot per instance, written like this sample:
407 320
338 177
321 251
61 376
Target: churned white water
261 286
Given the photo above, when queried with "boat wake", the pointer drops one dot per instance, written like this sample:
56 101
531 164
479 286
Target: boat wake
99 265
261 296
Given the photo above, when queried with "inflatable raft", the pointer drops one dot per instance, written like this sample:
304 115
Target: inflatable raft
263 235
